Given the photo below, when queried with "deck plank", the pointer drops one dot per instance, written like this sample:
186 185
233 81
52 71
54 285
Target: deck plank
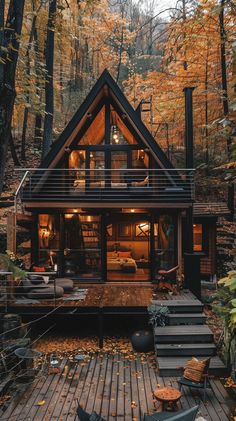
107 389
80 379
120 394
113 392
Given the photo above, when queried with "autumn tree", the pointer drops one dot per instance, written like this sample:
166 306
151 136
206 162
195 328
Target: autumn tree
49 89
10 31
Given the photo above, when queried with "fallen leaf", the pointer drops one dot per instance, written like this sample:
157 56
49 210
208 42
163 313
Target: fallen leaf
40 403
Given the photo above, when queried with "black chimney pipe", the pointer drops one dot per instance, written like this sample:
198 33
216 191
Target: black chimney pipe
191 260
188 92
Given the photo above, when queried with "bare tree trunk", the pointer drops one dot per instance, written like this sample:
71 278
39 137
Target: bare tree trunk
225 96
9 38
38 115
49 91
206 110
121 46
13 151
26 110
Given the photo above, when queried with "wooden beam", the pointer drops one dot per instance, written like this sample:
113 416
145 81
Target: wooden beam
11 232
99 205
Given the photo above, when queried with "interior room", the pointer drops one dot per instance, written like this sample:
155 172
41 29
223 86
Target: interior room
128 248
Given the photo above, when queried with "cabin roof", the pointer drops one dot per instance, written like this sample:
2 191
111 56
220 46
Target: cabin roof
105 85
210 209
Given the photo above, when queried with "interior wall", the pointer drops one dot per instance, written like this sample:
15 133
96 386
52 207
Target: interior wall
139 249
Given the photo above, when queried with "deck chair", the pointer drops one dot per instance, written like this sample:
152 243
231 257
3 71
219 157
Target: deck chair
183 415
203 384
85 416
166 279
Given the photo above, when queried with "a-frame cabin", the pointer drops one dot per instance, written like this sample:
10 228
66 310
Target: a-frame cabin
107 203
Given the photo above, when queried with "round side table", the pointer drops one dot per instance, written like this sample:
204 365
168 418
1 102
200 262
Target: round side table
168 396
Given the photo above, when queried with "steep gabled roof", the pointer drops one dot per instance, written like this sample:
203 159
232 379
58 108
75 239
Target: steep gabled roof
132 116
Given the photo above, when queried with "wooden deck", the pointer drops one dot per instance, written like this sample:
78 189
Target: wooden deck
118 386
111 297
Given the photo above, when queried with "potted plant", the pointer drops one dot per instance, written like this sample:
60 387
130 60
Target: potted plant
8 263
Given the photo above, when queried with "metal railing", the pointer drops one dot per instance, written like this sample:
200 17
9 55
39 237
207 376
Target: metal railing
155 185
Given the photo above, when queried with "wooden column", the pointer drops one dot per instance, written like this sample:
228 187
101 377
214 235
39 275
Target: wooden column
179 244
11 232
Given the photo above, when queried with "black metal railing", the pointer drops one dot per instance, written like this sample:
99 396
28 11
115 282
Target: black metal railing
155 185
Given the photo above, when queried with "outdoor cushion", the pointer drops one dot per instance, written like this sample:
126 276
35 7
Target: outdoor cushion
95 417
46 292
65 283
194 369
28 284
39 269
35 279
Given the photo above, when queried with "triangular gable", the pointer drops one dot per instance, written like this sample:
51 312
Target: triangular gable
93 100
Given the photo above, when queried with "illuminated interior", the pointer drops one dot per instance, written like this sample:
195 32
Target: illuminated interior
197 237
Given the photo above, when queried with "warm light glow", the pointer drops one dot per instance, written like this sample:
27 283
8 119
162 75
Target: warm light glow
44 232
75 210
132 210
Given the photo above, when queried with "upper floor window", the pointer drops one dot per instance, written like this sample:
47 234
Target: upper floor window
197 237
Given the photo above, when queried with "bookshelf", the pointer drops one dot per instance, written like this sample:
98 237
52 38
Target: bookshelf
90 232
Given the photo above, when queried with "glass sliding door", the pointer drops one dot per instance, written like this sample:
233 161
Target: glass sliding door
164 252
48 240
82 241
118 167
128 248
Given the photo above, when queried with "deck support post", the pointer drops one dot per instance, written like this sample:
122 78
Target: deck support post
100 326
11 232
192 279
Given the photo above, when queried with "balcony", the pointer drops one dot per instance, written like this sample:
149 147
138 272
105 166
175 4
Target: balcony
115 185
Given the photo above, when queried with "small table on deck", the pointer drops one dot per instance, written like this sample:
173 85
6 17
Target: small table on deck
168 396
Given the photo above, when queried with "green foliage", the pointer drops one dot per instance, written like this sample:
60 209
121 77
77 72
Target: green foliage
7 263
227 297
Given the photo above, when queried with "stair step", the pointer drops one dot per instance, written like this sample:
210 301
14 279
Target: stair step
170 366
181 306
186 318
169 350
183 334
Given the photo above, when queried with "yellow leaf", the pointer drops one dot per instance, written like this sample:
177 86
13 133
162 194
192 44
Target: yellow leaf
40 403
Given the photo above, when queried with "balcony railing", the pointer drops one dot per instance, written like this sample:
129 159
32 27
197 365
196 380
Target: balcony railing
118 185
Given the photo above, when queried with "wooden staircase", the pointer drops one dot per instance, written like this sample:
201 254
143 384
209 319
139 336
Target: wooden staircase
186 336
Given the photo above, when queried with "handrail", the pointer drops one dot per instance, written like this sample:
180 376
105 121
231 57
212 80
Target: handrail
19 188
106 169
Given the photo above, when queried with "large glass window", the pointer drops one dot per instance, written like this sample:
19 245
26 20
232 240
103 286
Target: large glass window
164 243
49 239
118 166
82 253
97 166
96 132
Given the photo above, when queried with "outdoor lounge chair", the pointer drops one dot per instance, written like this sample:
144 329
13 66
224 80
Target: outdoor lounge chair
37 289
203 384
84 416
183 415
